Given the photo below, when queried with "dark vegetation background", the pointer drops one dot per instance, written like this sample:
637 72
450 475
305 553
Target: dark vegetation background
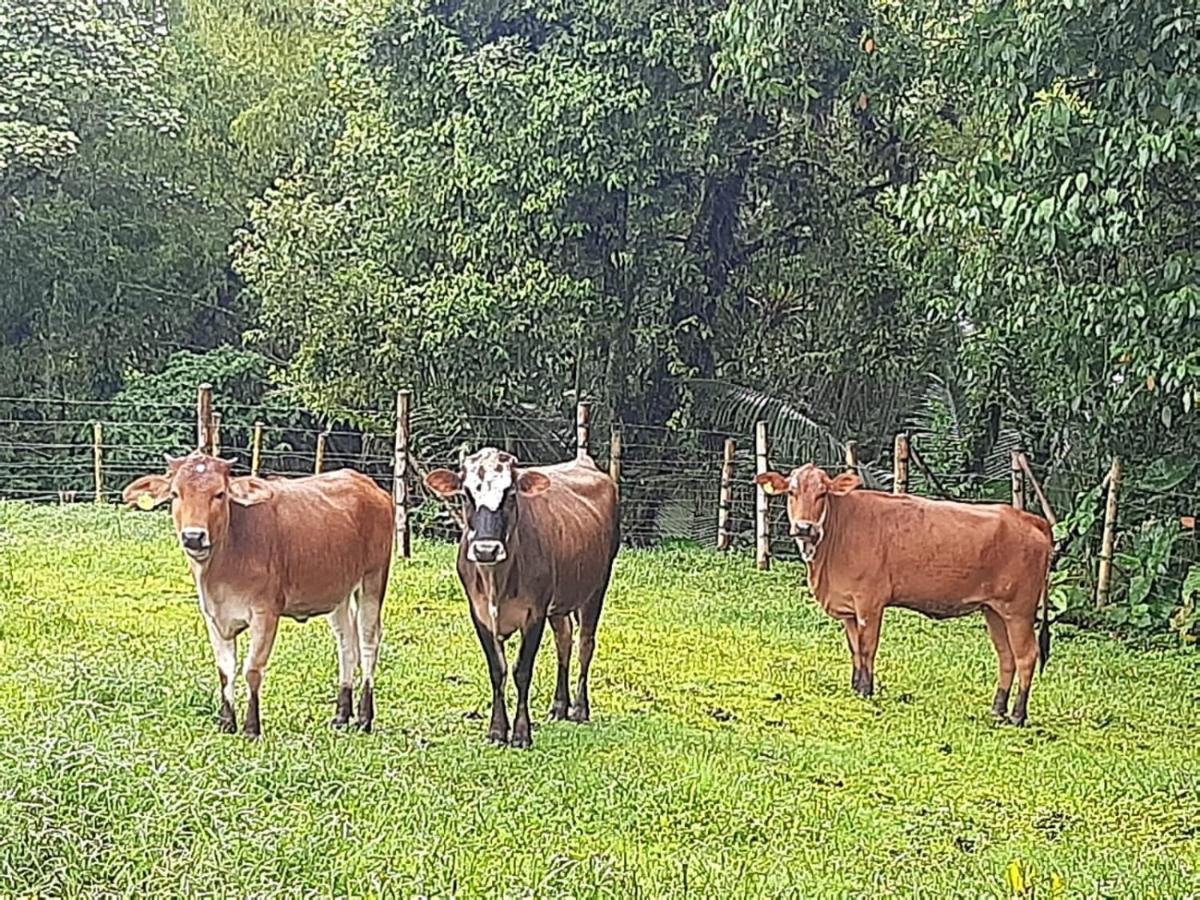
975 221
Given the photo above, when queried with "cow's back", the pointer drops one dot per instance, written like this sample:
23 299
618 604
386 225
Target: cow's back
575 525
930 551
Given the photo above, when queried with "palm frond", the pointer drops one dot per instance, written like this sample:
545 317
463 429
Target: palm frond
795 434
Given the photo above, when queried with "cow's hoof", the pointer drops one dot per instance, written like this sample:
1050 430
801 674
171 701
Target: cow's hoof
252 735
521 740
1019 721
496 736
579 714
558 712
227 725
339 721
365 725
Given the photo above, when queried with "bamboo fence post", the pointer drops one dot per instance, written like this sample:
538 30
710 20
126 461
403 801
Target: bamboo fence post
256 448
319 462
1018 481
900 464
583 416
400 472
1038 492
852 456
98 459
762 527
1104 577
725 505
614 456
204 416
214 448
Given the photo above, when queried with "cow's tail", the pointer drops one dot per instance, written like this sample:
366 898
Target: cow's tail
1044 631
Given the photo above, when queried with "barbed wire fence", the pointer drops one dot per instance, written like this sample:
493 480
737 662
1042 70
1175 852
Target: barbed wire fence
676 484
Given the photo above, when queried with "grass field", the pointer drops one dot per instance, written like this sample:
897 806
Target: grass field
727 756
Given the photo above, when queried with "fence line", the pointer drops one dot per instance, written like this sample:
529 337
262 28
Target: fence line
671 483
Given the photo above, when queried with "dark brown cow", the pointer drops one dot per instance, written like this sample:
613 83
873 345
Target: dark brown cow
868 550
538 543
262 549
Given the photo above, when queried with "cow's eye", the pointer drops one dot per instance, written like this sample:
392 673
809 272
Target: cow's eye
220 495
174 495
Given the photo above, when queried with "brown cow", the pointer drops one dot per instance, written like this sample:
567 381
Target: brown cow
262 549
868 550
538 543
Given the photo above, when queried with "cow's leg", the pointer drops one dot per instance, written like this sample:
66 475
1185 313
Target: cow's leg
562 643
262 639
345 629
589 616
851 625
370 632
1025 649
225 651
531 640
870 620
493 651
1004 655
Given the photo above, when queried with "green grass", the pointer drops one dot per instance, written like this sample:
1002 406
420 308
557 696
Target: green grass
727 754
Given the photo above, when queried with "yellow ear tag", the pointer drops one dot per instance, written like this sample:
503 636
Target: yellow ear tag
145 501
768 488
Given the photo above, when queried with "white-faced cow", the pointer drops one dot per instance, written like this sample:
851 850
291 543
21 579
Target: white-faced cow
868 550
259 549
538 543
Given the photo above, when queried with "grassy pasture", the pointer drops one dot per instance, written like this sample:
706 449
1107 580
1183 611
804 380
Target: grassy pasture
728 756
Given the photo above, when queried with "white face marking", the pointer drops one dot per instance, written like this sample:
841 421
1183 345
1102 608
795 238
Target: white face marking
200 467
487 475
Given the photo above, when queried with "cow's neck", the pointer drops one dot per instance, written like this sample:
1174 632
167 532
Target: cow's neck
501 581
228 555
828 546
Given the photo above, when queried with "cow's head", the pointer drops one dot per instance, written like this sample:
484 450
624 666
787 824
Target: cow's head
808 490
490 484
200 491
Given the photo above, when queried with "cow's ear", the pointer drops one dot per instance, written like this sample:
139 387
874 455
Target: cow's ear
844 484
530 484
249 490
443 482
771 483
147 492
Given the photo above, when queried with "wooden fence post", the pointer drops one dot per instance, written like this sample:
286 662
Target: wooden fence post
98 459
1104 577
852 456
256 448
1018 481
614 456
583 416
400 472
725 506
204 416
319 462
900 464
1032 480
762 526
214 448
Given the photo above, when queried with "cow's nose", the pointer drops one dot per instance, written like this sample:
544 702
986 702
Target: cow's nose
801 529
193 538
486 551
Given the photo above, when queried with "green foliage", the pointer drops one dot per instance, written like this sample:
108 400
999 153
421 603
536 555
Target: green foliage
727 751
1056 229
157 409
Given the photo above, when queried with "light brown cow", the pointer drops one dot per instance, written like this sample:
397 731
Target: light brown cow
263 549
868 550
538 543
